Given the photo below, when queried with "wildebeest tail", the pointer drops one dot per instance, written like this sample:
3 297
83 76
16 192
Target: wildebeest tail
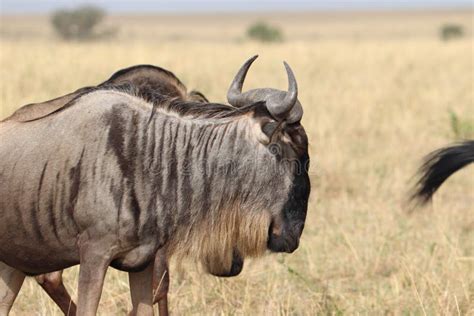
439 166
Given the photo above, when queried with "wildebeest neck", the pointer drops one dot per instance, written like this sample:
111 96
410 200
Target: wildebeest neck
210 187
179 172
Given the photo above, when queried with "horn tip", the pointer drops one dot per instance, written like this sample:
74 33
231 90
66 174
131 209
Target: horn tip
289 70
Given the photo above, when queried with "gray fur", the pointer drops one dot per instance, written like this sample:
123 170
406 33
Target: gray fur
113 173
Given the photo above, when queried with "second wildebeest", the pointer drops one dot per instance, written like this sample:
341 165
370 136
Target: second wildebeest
147 82
111 184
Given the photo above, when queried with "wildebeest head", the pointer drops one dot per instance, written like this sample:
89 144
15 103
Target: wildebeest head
285 138
260 185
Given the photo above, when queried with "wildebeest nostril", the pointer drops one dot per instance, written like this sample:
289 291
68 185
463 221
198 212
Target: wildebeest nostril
286 239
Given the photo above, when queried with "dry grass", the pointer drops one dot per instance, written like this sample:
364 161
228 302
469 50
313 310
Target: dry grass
374 106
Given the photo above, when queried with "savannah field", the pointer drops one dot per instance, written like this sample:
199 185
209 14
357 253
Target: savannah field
378 90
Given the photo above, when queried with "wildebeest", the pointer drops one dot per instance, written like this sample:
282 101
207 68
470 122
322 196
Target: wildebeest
110 178
147 82
439 165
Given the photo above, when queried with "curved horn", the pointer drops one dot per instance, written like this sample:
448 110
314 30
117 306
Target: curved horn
291 96
234 94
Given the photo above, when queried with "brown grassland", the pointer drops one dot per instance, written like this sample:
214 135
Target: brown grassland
377 89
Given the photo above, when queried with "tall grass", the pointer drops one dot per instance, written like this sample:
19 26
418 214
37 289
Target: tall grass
373 108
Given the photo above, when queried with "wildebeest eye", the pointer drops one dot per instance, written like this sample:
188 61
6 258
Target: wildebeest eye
270 128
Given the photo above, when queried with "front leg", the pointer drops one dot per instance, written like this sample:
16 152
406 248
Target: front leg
141 288
95 260
161 281
10 283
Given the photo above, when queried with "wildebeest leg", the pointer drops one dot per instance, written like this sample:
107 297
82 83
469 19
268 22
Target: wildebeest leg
53 284
93 266
141 289
10 284
161 280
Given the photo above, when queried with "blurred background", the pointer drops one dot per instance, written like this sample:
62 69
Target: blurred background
382 84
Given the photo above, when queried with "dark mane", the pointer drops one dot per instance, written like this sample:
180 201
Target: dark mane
180 106
208 110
